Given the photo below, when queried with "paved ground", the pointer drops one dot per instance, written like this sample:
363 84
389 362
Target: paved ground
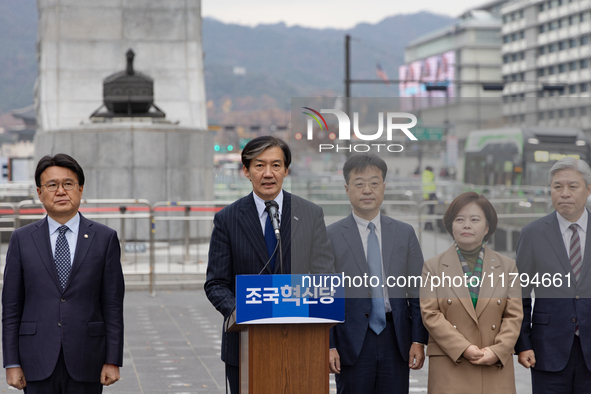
172 344
172 340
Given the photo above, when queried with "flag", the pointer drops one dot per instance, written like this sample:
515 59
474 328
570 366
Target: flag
382 74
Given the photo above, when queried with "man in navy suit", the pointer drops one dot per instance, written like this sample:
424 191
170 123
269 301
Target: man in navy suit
238 243
62 301
555 340
383 335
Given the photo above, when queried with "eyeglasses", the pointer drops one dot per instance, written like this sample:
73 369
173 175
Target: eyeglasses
53 186
359 185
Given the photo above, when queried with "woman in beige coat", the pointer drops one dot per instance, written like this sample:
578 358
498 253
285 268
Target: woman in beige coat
471 306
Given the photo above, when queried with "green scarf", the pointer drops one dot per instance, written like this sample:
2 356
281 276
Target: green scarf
473 284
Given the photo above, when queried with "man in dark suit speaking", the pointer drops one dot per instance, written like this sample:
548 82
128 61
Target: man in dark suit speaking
383 334
242 238
62 301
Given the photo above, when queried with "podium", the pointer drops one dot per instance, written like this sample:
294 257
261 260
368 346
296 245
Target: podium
284 332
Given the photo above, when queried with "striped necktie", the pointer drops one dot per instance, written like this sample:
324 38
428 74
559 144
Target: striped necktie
576 258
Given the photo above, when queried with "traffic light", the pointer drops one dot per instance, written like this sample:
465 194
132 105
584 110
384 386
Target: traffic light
223 148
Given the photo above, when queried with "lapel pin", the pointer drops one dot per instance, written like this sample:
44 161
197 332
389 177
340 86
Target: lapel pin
492 260
296 218
85 235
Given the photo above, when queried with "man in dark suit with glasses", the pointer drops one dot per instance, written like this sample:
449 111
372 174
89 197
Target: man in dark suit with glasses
62 300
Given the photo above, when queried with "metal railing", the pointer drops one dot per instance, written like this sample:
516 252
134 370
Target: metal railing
512 213
172 237
185 226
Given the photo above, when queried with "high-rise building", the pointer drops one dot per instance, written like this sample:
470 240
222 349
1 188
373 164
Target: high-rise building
460 60
546 58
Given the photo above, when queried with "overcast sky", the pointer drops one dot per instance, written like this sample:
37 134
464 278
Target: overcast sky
325 13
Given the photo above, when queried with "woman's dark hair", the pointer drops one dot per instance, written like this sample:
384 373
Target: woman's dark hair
359 163
464 199
59 160
256 146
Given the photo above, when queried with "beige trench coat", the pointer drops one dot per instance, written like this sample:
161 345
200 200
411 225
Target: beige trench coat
454 324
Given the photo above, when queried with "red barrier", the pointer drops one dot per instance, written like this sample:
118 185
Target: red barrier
37 211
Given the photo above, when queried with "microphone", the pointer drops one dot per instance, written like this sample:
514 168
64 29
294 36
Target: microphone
272 207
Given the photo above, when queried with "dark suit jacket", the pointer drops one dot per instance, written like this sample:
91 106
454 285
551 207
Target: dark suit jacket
237 247
550 330
86 319
402 256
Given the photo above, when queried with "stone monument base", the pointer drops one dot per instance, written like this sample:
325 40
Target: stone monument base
137 158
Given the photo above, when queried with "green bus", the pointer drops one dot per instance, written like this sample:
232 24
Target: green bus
520 155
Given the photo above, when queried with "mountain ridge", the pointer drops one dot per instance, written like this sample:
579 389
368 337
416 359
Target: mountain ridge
279 62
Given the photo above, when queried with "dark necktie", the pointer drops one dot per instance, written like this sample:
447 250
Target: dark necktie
271 241
377 317
576 258
62 256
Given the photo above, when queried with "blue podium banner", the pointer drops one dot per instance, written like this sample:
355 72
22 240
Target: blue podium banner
275 299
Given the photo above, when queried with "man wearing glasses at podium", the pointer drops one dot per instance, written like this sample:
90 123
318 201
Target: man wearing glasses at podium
243 240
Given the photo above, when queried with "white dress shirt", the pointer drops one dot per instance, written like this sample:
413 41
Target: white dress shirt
260 204
71 235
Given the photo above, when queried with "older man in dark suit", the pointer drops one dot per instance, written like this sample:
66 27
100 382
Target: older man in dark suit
62 301
555 340
242 239
383 336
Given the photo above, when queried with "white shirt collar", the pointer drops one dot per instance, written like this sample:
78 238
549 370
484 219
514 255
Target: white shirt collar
363 223
565 224
73 224
260 204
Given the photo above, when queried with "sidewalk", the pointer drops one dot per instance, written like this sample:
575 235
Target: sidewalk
173 340
172 345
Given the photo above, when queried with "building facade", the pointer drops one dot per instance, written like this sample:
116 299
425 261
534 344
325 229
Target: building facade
546 54
462 57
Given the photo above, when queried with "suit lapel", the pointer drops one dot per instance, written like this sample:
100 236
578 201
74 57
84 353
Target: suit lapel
388 241
286 231
451 267
587 255
487 289
42 242
554 238
251 226
353 240
85 237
